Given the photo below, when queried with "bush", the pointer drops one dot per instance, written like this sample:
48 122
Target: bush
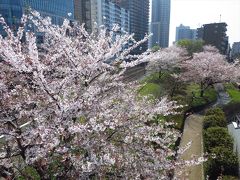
214 117
214 121
231 109
226 163
216 136
216 112
217 141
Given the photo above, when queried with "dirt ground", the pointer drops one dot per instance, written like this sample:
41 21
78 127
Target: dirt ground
192 132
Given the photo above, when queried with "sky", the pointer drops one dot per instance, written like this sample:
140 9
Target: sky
195 13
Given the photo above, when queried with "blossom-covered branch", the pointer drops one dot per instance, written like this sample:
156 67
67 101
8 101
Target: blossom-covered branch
66 113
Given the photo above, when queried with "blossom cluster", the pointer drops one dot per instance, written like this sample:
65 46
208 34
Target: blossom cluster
66 112
209 67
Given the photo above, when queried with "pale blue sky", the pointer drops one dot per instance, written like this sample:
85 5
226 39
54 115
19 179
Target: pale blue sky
194 13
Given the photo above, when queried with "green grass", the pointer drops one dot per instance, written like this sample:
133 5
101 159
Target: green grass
193 95
151 89
178 120
233 92
153 78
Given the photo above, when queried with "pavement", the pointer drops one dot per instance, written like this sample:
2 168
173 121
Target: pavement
223 96
192 132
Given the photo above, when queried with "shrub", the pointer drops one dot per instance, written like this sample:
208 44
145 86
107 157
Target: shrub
217 136
217 141
231 109
226 163
214 120
216 112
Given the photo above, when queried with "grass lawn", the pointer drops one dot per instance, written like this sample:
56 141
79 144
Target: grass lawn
193 91
233 92
151 89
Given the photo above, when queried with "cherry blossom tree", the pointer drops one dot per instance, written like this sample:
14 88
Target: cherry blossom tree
65 112
208 68
166 59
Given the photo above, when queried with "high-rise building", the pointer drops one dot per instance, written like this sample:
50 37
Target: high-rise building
200 33
184 32
82 13
89 12
160 23
12 10
102 12
235 53
215 35
138 20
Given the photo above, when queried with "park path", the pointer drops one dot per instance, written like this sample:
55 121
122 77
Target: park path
223 96
192 132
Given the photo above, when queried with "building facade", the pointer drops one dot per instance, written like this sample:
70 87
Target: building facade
215 35
160 23
200 33
102 12
12 10
235 53
138 20
113 14
82 13
184 32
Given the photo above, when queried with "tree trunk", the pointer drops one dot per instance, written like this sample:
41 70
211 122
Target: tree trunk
159 74
201 89
201 93
173 91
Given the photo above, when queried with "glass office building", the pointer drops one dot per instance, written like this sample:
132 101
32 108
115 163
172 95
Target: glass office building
160 23
102 12
12 10
138 20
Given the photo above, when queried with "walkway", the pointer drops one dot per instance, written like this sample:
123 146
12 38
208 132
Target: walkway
192 132
223 97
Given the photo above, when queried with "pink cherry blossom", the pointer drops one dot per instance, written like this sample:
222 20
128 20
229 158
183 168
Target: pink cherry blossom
66 112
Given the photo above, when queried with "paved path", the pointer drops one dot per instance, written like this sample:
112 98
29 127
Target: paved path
192 132
223 96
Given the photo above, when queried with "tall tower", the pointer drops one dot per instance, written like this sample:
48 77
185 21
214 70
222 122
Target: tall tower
82 13
138 19
184 32
160 23
102 12
58 10
216 34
